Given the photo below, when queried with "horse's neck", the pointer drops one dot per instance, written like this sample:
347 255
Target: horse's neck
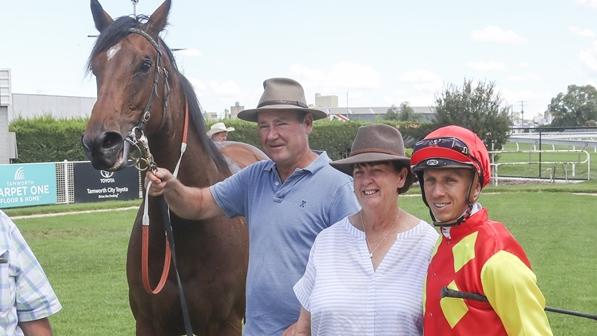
197 168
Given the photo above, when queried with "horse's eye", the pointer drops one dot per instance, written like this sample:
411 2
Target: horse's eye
146 65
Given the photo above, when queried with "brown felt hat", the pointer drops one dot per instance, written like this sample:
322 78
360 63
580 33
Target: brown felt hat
281 94
377 143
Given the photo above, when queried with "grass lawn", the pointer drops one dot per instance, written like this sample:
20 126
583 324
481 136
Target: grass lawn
84 257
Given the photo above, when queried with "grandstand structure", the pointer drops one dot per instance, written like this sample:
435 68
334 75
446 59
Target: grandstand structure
8 147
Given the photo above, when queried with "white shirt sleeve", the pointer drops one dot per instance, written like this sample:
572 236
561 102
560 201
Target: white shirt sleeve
304 287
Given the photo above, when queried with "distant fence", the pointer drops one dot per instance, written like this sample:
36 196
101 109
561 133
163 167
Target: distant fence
556 153
576 137
65 182
550 164
555 139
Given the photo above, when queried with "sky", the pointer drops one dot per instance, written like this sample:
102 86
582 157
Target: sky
368 53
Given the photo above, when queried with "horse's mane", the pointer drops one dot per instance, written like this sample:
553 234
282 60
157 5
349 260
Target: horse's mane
197 119
120 29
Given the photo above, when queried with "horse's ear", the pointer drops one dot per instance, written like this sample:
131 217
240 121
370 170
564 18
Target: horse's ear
100 17
159 18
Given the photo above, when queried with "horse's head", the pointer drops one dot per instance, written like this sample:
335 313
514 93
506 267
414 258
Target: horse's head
131 65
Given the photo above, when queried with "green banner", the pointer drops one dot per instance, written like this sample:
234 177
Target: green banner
27 184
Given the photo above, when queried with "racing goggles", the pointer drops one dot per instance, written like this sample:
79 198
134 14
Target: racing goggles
449 143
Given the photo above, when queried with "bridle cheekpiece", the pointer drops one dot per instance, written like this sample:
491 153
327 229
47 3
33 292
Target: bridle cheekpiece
136 136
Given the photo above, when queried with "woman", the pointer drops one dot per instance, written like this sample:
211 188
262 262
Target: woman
365 273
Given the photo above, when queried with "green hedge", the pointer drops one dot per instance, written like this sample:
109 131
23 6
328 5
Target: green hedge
46 139
333 136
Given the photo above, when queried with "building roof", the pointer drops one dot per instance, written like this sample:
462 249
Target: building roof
370 113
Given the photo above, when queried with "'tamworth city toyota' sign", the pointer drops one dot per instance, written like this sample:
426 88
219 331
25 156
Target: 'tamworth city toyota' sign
93 185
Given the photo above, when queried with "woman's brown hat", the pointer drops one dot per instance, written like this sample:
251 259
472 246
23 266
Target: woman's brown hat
376 143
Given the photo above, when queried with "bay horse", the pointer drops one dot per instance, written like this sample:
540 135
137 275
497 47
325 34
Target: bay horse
140 92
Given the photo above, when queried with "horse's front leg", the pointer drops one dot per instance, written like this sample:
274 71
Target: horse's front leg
145 328
231 327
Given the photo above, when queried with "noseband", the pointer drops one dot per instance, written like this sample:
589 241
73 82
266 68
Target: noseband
137 137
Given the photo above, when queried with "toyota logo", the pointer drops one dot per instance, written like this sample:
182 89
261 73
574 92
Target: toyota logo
106 174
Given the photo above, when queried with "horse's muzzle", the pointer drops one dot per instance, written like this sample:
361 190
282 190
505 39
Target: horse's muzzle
105 151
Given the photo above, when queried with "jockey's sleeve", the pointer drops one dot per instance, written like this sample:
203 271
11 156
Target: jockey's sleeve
511 288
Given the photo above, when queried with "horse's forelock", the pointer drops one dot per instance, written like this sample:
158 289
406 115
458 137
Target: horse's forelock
118 30
113 34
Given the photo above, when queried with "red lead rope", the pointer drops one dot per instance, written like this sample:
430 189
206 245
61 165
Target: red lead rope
145 228
145 263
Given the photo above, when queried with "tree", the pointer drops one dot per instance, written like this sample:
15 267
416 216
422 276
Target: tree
406 113
578 107
391 113
478 107
402 113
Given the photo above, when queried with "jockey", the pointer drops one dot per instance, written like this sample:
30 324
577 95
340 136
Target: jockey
474 254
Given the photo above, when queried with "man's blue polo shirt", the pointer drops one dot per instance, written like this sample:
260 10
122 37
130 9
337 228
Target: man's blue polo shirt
283 220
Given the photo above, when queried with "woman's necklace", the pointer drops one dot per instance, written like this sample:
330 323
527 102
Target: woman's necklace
372 250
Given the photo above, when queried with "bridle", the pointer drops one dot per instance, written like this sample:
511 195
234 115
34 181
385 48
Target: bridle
145 161
136 136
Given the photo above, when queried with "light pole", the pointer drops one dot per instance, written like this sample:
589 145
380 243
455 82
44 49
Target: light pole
347 100
522 113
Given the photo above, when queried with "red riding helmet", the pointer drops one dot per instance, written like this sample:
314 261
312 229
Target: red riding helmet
452 147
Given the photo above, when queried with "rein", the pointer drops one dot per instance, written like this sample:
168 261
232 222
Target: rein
144 162
145 226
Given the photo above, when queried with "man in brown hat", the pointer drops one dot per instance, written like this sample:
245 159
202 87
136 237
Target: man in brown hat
287 200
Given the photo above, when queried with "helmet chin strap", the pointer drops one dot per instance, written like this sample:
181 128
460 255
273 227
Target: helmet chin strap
465 215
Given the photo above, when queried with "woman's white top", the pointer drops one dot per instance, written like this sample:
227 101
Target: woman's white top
346 296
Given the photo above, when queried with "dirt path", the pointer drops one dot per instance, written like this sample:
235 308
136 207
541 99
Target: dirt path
72 213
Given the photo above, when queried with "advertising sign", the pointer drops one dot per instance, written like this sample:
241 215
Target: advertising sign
93 185
27 184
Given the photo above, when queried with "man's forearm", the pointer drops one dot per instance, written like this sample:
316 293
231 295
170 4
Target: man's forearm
36 327
191 202
184 201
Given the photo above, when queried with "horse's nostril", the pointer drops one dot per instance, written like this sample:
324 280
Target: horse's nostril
111 139
85 143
